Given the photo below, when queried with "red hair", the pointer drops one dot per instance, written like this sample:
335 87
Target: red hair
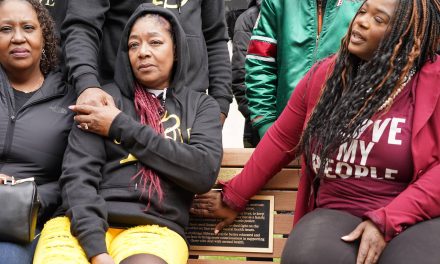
149 109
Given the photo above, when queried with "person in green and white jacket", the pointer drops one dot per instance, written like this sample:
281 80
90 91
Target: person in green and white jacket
289 37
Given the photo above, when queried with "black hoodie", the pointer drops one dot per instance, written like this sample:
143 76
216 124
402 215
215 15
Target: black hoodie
97 189
57 9
92 30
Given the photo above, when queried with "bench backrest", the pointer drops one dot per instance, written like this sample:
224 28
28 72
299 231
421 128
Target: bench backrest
283 187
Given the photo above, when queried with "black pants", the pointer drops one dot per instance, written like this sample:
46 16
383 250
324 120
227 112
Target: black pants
316 239
250 135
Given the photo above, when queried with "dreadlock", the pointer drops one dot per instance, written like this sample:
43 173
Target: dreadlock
149 110
355 90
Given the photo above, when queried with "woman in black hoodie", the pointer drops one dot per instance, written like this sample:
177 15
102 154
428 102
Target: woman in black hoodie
137 162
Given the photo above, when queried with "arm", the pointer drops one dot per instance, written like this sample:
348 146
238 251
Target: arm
81 34
420 201
83 159
214 31
50 198
280 141
261 69
193 166
242 36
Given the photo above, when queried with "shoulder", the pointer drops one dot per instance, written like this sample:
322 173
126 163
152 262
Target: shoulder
432 67
247 19
112 89
57 84
428 78
321 69
202 100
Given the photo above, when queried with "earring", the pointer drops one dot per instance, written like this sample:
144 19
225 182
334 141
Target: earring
43 54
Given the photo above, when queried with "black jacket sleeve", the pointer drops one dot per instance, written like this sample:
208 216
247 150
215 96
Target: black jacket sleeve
81 35
50 198
242 37
192 166
83 160
215 34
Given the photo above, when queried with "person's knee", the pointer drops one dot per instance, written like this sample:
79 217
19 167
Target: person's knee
143 258
417 244
317 239
14 253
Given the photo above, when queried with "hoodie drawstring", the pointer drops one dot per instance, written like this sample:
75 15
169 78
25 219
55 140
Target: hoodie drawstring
179 4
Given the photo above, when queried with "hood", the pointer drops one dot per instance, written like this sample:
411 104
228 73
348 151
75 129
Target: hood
255 3
124 77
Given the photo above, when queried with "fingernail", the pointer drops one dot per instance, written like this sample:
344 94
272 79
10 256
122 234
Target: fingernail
216 232
71 106
344 237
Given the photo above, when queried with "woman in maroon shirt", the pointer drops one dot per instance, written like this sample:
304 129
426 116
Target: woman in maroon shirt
367 122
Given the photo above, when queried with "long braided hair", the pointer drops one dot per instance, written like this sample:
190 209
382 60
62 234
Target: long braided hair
149 109
354 91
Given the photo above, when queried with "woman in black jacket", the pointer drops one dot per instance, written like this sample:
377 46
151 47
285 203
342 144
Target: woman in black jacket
136 163
34 116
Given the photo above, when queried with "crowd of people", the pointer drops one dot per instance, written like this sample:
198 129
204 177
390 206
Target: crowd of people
116 108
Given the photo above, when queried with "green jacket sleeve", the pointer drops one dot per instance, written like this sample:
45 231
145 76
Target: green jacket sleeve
261 68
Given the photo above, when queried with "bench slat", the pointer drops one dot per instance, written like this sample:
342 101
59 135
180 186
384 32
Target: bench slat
284 200
278 245
235 157
282 224
284 180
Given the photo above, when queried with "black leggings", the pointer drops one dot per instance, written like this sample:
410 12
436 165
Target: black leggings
316 239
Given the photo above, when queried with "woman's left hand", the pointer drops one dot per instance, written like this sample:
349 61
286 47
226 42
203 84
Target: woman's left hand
96 119
372 242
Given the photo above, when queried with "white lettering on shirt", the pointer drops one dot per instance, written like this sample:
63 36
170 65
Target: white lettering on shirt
394 130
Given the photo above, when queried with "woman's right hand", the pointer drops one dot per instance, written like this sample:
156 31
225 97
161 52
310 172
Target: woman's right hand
102 258
210 205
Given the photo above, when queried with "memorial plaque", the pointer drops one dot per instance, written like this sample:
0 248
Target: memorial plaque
252 231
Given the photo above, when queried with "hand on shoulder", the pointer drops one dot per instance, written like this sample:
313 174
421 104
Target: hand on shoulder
96 118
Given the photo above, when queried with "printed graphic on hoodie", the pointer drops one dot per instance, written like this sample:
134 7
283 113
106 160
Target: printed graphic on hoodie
172 130
171 4
48 2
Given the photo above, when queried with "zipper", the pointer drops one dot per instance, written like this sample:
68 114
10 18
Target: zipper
319 28
9 130
12 120
319 16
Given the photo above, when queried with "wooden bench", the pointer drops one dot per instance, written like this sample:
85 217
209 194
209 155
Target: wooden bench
283 187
